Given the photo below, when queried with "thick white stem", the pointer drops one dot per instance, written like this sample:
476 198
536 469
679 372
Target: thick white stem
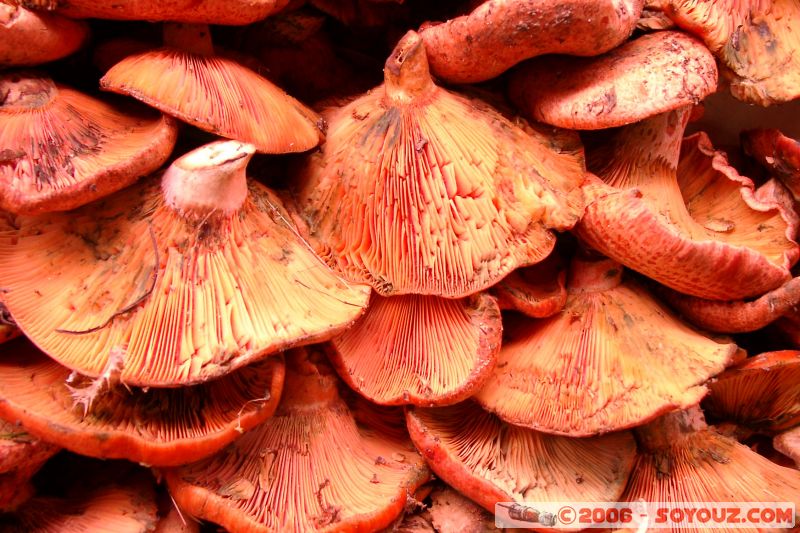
209 180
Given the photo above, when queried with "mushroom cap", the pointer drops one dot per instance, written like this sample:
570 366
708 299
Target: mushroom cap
755 41
420 350
693 224
185 85
716 22
18 448
188 284
55 36
421 191
538 291
761 392
21 456
738 316
685 461
128 508
63 149
776 152
788 443
317 465
158 427
652 74
500 33
490 461
614 358
229 12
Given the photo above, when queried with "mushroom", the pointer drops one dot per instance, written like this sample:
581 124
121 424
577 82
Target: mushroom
778 153
500 33
185 278
55 36
420 350
538 291
117 508
490 461
319 464
62 149
652 74
681 459
739 316
691 222
421 191
760 392
182 80
232 12
614 358
158 427
756 42
788 443
21 456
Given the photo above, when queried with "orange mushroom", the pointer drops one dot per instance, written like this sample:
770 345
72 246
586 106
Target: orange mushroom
755 41
21 456
158 427
62 149
538 291
761 392
232 12
490 461
184 279
778 153
55 36
614 358
788 443
420 350
317 465
500 33
182 80
689 222
739 316
118 508
683 460
652 74
421 191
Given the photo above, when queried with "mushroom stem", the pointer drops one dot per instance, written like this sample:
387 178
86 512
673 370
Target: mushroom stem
670 429
406 72
210 179
193 38
309 385
594 275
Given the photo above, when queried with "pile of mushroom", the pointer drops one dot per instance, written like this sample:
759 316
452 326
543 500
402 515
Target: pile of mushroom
370 265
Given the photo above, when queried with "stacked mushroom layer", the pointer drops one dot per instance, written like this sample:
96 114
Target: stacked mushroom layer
311 269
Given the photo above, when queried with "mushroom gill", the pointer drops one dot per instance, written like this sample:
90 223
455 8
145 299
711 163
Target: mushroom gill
490 461
314 466
420 350
116 508
760 393
421 191
215 93
185 280
682 460
62 149
158 427
614 358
